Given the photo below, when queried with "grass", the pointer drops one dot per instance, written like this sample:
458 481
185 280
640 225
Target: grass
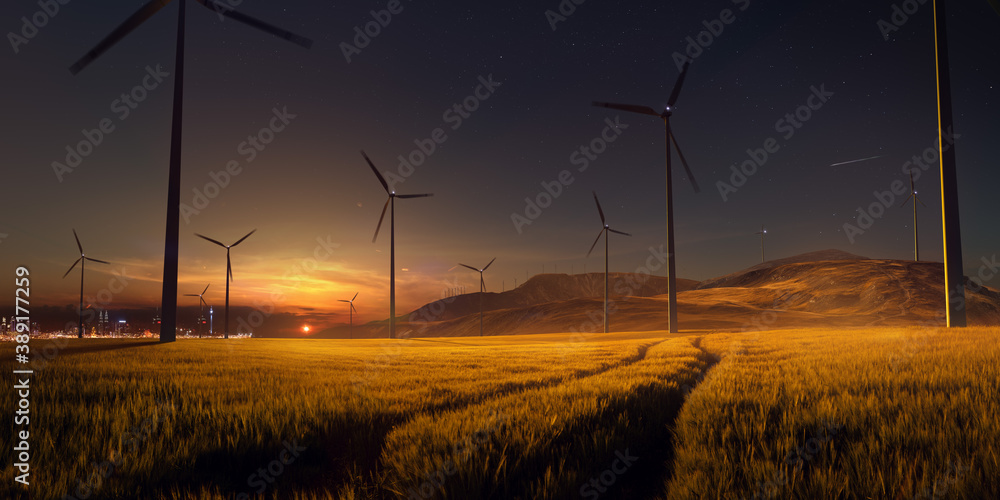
815 413
884 413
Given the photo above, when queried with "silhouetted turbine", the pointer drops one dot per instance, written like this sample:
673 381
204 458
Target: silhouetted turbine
391 202
604 231
83 262
762 232
351 302
913 195
482 290
229 269
169 298
201 305
665 116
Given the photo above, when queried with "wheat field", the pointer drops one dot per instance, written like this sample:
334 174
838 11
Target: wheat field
801 413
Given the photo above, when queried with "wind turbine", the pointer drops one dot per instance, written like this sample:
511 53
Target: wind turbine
913 196
482 290
604 232
229 269
202 304
392 239
665 116
351 302
169 298
83 262
762 232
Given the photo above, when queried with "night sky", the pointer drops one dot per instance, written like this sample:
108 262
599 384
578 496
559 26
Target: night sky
310 184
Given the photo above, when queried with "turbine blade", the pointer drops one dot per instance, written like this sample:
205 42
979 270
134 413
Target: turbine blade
687 169
996 5
235 15
482 284
599 207
414 195
342 300
210 239
229 267
355 296
918 199
133 22
379 226
97 260
595 242
677 86
470 267
645 110
353 308
206 289
78 245
619 232
385 185
490 264
71 267
203 301
243 238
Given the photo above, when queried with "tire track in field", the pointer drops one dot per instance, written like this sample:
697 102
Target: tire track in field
374 468
656 473
506 389
647 477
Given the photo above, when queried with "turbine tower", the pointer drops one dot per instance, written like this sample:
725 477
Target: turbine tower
391 205
604 232
351 302
762 232
665 116
913 196
482 291
83 263
229 270
168 326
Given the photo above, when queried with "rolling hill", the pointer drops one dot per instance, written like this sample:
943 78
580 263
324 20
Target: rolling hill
826 288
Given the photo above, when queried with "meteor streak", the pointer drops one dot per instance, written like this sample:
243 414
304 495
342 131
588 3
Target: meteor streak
855 161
